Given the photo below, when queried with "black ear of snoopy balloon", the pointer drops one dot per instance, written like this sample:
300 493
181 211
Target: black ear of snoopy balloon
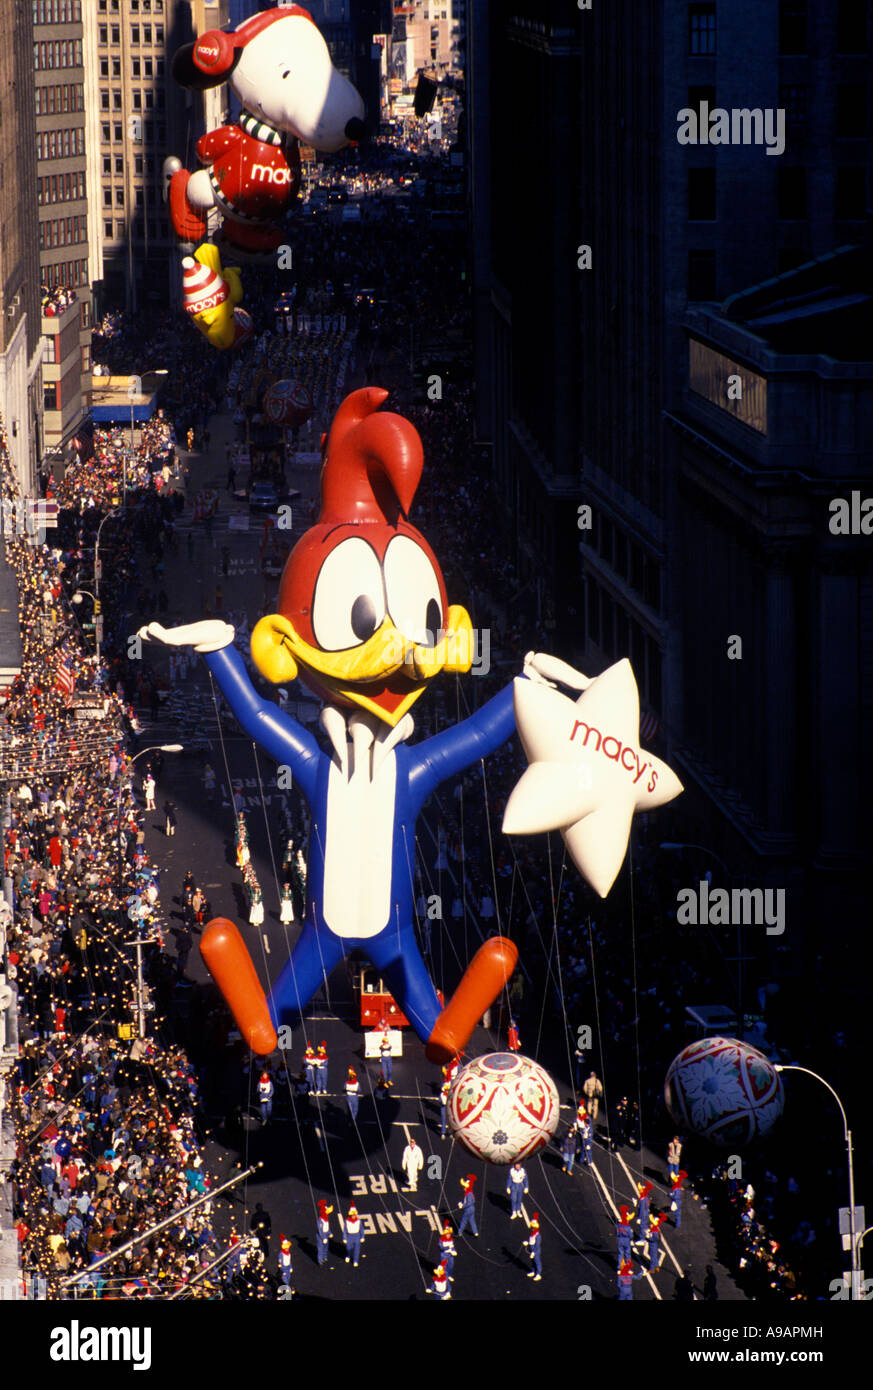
187 74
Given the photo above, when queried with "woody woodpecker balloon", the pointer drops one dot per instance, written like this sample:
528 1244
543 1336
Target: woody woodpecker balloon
279 67
364 620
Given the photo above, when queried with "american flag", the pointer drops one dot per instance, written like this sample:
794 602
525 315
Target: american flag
65 680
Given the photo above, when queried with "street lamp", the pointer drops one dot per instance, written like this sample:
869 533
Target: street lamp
140 1010
152 371
98 615
847 1135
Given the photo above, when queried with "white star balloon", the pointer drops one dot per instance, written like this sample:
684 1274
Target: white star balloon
580 780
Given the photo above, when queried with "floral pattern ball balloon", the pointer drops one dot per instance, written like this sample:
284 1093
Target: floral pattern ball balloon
288 402
724 1090
503 1106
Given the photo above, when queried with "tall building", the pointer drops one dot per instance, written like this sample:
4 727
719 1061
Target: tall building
20 344
142 116
523 74
62 196
349 27
771 451
704 268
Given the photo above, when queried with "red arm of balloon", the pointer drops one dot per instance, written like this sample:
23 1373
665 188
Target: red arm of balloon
484 978
217 142
230 965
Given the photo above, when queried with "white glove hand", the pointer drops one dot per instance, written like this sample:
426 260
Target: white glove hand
208 635
546 670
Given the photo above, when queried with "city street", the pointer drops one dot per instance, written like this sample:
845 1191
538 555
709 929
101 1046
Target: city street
311 1149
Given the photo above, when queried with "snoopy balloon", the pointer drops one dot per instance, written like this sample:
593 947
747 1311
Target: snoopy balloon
364 620
279 67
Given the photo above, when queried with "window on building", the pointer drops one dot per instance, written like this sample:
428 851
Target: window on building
136 99
107 230
119 164
637 565
708 373
159 32
593 611
119 231
139 197
107 164
147 33
701 31
104 101
652 584
107 197
103 35
105 133
851 26
117 132
135 67
104 67
851 119
134 33
791 193
792 26
115 33
793 102
116 101
119 197
699 94
622 639
701 195
150 98
849 195
116 67
137 164
148 67
620 561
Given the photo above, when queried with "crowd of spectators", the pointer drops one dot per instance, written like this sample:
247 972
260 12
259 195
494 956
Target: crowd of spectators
107 1141
55 299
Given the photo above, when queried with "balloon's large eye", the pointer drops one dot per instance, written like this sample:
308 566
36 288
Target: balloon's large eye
413 591
349 603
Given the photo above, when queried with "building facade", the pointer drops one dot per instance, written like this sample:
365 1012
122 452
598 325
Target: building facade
20 342
62 196
700 259
142 116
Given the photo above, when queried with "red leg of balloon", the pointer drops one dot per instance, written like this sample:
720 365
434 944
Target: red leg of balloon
189 223
484 978
230 965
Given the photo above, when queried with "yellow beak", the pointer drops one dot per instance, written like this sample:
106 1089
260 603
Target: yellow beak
360 674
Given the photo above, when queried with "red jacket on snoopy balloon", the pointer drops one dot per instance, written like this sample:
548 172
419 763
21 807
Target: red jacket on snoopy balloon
279 67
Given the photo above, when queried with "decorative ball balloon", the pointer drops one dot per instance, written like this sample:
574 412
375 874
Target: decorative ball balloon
288 403
503 1106
724 1090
